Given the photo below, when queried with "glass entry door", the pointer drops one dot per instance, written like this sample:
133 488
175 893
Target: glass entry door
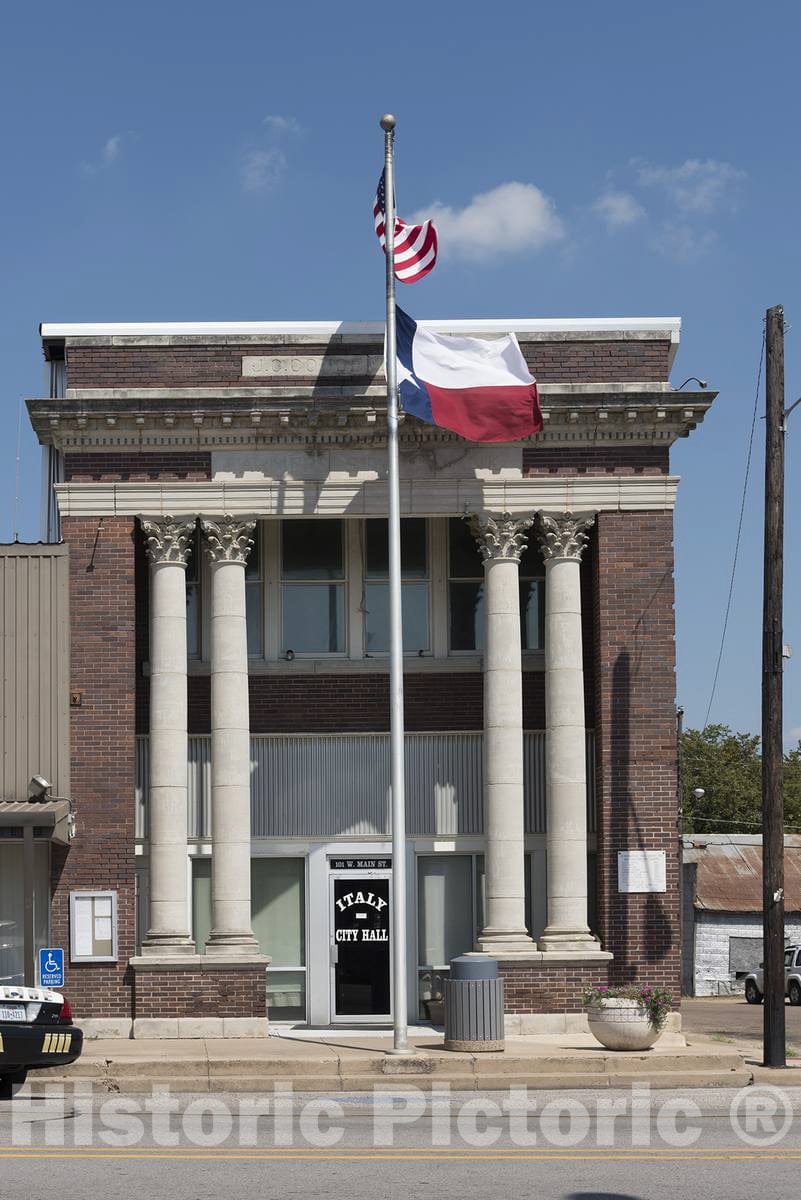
360 947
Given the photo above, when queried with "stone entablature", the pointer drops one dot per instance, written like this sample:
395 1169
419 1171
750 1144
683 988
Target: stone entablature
335 497
207 418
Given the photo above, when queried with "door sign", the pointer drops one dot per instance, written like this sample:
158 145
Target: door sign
360 934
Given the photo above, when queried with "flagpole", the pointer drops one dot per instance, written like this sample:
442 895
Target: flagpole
398 798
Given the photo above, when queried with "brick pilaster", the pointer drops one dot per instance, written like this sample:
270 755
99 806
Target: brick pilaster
636 740
103 756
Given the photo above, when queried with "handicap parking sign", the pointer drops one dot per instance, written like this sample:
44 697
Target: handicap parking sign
51 967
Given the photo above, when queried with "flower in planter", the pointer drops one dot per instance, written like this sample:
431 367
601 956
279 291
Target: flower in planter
656 1001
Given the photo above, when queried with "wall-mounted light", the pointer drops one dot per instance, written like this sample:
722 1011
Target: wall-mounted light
38 788
692 379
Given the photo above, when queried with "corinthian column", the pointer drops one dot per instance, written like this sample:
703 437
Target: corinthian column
228 541
563 537
168 546
501 541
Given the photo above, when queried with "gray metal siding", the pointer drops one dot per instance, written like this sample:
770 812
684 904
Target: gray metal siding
34 668
337 785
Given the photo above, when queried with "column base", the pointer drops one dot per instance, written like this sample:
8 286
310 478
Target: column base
504 941
168 945
568 941
232 946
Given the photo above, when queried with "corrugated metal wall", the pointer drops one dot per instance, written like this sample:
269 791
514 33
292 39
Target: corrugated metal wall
34 668
338 785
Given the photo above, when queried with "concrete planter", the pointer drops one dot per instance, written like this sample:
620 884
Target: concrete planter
621 1024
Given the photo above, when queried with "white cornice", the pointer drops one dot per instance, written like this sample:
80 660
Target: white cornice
346 498
331 391
669 326
207 418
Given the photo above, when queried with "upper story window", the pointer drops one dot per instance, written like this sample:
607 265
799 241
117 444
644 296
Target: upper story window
414 585
313 597
532 597
465 588
466 592
253 595
320 587
194 606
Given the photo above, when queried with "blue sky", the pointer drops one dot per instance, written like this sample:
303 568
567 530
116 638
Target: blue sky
179 161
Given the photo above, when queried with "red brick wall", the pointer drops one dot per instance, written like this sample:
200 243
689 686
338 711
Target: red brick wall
348 703
221 366
211 992
636 740
138 467
358 703
591 460
530 988
102 746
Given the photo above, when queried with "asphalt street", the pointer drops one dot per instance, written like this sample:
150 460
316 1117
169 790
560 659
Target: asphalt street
730 1016
570 1145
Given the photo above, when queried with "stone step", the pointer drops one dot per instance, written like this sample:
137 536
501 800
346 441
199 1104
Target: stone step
359 1070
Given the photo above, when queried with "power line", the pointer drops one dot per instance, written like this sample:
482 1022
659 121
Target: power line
753 824
739 534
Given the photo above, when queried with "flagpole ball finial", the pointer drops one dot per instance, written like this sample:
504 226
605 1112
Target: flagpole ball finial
387 122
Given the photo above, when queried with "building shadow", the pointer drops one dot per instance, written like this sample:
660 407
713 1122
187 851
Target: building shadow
601 1196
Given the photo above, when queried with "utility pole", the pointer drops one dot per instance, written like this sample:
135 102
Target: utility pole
772 664
680 799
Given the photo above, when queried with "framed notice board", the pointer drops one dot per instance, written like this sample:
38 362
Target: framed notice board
93 927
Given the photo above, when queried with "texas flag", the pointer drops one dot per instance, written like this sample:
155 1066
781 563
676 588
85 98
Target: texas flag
479 388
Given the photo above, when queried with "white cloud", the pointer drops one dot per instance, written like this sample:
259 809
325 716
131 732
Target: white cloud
262 170
694 186
618 209
509 218
109 153
279 125
111 150
678 239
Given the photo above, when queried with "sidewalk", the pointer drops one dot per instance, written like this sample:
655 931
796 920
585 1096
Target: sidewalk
357 1063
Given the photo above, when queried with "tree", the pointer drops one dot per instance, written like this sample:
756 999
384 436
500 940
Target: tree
728 766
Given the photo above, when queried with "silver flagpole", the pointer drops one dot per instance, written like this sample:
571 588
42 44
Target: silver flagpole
399 998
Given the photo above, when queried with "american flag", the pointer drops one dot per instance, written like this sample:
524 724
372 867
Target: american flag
415 245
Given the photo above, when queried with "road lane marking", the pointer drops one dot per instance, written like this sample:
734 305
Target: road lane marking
441 1156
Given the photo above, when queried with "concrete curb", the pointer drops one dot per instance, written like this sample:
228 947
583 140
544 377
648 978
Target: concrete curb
214 1067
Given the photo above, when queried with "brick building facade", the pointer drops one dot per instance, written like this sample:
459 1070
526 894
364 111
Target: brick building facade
221 490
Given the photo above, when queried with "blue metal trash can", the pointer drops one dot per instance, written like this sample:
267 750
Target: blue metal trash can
474 1004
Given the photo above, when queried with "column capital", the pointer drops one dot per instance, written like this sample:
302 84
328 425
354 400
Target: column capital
168 539
502 536
228 539
563 535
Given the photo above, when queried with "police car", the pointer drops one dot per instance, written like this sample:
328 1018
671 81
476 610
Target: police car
36 1031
